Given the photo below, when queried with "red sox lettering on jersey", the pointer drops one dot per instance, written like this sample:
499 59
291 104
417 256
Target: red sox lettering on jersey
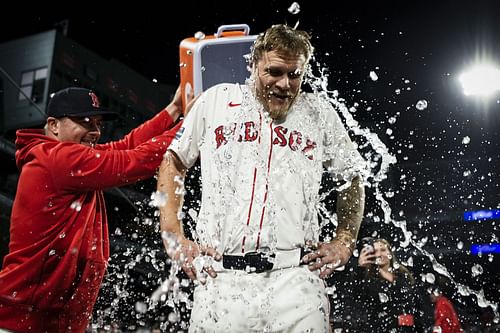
282 137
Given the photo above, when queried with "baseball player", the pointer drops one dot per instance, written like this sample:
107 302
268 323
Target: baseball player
263 147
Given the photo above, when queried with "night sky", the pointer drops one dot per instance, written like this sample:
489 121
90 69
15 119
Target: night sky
416 48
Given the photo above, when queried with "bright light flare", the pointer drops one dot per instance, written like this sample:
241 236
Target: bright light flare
481 80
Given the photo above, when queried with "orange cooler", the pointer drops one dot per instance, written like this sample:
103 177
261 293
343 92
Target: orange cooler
208 60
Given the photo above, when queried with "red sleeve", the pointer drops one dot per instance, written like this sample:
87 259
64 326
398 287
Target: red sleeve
151 128
78 167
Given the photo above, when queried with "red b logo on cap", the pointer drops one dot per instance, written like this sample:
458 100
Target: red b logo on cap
95 100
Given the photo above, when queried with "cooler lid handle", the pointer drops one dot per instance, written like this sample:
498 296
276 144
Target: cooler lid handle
231 28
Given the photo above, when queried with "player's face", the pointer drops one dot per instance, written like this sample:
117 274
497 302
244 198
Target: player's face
83 130
277 81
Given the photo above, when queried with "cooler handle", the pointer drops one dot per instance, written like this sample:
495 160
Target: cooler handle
231 27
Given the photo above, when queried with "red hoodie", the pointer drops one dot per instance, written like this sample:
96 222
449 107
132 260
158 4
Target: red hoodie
59 244
445 317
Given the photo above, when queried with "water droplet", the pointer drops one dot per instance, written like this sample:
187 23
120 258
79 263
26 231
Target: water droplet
62 235
76 205
466 140
373 76
158 199
383 297
464 291
429 277
52 252
172 317
421 104
392 120
294 8
409 262
477 270
141 307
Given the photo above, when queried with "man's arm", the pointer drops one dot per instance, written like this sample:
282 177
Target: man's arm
171 182
350 207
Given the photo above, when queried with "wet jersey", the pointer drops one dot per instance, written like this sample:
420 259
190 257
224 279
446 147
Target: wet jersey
260 176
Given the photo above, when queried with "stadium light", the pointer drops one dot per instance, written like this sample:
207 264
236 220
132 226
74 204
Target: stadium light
482 80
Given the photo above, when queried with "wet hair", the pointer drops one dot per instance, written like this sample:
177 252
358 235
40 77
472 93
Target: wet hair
283 39
394 264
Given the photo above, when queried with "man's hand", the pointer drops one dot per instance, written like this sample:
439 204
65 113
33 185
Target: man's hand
327 257
175 108
193 259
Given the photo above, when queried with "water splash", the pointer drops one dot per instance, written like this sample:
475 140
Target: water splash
171 291
382 159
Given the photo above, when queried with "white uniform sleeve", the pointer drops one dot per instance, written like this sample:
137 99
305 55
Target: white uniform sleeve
341 156
186 143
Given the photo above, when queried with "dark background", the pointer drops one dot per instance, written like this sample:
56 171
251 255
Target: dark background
417 49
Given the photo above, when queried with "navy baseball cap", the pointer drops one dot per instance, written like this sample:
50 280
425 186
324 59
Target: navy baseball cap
77 102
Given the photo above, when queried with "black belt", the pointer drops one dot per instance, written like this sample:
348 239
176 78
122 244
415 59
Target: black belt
254 262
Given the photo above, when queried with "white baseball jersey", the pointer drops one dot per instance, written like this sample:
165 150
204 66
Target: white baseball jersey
261 176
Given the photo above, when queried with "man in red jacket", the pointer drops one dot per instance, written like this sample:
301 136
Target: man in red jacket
59 244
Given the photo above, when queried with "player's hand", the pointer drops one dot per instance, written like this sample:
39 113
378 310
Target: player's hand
327 257
193 259
203 264
367 256
183 251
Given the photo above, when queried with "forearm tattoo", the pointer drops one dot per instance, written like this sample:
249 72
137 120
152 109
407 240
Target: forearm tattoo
350 208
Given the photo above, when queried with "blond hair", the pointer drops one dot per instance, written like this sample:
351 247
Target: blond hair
283 39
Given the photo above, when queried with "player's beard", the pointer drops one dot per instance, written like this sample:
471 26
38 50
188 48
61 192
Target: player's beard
277 107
